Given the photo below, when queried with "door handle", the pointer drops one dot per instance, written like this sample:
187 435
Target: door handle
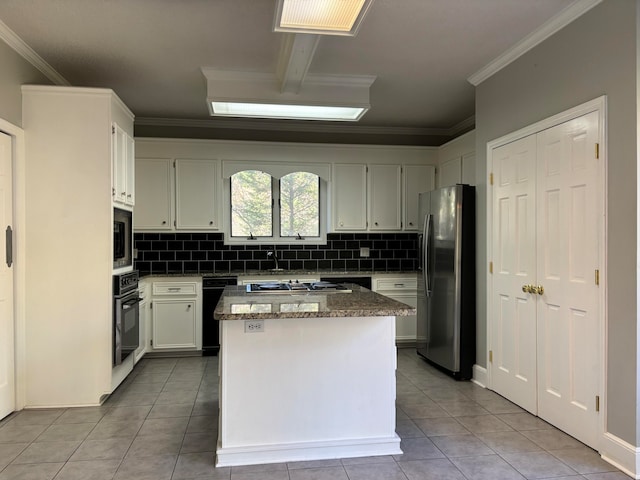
539 290
9 246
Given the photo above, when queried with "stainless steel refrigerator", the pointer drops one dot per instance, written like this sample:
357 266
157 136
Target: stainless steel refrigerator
447 282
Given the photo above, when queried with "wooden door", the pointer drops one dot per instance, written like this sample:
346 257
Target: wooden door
513 332
568 231
7 339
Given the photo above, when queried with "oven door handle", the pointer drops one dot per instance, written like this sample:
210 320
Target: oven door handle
130 303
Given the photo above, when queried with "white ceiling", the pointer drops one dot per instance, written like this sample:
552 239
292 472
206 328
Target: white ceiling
151 51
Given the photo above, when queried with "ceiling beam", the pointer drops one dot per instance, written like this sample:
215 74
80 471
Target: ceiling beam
296 53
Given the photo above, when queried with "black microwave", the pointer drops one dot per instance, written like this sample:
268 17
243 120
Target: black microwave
122 238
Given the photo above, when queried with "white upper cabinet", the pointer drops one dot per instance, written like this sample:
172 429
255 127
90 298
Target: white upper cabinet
416 179
123 166
384 186
154 190
457 161
197 205
450 172
349 195
469 168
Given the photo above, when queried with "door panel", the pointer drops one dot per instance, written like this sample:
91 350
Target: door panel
569 211
513 335
7 359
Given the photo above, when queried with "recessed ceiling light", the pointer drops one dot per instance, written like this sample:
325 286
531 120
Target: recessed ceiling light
342 98
291 112
320 17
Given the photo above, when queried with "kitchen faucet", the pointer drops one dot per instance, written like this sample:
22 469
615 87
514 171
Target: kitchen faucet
272 255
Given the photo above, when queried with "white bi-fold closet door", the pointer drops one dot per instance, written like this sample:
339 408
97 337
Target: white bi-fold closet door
545 299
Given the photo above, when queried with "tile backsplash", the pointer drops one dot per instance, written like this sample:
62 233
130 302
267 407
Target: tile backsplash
202 253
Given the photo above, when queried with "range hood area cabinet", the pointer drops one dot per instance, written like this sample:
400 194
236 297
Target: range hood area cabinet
378 197
68 229
181 194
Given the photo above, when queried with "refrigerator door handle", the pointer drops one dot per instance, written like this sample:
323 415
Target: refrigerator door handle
425 248
420 251
427 254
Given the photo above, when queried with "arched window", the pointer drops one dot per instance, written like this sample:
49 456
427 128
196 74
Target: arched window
251 204
300 205
263 206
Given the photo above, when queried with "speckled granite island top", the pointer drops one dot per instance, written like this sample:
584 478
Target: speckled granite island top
237 304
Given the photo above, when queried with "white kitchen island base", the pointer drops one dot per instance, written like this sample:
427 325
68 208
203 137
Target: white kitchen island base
307 389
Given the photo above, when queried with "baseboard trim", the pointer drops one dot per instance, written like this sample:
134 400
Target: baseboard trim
621 454
409 342
252 455
480 376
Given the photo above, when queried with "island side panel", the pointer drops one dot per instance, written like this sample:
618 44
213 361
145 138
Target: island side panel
319 387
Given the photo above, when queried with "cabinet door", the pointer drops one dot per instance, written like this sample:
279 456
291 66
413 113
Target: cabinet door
416 179
384 197
118 163
174 324
130 165
406 326
153 191
196 195
469 168
450 172
349 194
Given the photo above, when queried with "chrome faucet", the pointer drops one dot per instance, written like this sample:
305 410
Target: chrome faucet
272 255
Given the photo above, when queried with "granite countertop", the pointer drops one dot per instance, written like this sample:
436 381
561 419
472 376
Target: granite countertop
283 273
237 304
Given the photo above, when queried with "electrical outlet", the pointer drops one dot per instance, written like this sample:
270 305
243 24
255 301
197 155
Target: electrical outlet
251 326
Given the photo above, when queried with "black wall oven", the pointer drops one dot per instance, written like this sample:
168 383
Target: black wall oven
126 316
122 238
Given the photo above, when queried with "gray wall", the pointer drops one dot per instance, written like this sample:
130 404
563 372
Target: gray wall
14 72
594 55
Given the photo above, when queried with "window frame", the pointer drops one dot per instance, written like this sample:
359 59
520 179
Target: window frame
277 239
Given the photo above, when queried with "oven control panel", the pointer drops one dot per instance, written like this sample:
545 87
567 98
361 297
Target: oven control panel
125 282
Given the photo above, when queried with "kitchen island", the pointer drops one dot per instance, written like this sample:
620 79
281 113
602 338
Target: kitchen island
306 376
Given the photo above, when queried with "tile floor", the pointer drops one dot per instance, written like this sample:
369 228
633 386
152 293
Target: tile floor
161 424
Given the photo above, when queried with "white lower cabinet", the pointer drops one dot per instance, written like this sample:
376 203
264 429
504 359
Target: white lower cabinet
174 324
403 288
176 315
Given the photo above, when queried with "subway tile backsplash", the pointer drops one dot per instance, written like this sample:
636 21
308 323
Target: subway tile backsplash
203 253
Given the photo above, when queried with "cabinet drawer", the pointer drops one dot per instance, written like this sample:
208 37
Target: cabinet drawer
396 284
175 288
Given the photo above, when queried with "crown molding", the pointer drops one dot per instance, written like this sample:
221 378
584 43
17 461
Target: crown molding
16 43
463 126
303 127
556 23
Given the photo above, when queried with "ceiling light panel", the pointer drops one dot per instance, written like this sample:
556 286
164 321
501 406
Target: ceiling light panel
328 17
290 112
